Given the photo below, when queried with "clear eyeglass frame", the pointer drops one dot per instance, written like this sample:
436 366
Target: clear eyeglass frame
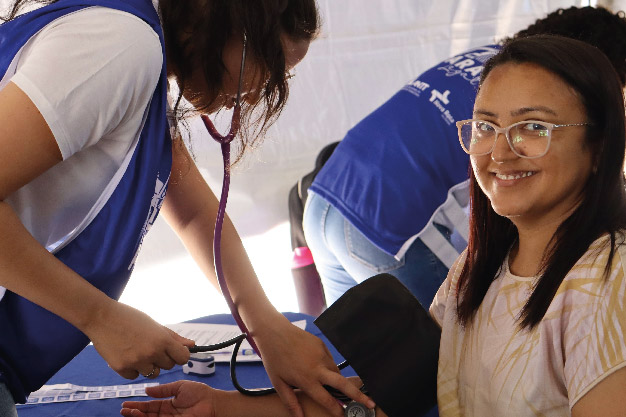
546 133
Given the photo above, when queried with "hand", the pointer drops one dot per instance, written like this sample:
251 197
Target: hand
191 399
294 357
133 344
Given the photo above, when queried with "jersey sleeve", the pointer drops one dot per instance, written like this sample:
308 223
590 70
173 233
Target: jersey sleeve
594 323
90 72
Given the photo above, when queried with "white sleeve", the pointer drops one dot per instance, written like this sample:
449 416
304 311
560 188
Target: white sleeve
446 290
90 72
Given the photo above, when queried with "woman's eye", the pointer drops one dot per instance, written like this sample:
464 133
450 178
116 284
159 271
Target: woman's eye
484 127
535 127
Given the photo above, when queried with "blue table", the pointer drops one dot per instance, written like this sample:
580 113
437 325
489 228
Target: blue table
88 368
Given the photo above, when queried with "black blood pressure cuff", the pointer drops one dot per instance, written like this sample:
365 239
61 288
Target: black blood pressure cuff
391 342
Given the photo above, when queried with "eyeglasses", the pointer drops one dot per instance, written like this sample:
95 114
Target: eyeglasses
527 139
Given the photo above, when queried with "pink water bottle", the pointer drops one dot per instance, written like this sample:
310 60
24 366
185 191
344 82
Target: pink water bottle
308 284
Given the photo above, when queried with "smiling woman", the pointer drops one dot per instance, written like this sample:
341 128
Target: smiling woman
537 191
527 312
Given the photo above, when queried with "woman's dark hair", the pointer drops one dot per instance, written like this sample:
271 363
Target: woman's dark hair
196 32
602 208
594 25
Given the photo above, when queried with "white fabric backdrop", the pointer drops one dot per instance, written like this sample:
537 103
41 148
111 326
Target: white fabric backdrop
366 51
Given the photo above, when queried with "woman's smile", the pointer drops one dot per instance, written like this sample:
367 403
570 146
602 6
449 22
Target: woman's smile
532 189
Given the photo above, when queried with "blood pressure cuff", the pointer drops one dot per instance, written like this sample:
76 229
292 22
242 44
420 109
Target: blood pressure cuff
391 342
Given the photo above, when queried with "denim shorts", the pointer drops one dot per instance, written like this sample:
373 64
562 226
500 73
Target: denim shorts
7 403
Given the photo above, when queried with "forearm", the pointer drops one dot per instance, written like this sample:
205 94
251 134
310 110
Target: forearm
29 270
234 404
243 284
237 405
190 208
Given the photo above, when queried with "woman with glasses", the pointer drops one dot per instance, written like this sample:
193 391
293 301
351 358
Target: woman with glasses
393 196
533 313
87 156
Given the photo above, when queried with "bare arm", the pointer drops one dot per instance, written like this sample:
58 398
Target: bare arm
29 270
292 356
23 261
196 399
606 399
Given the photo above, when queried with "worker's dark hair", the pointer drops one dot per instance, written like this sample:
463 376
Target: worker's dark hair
594 25
196 32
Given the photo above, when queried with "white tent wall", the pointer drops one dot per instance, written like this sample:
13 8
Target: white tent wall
365 52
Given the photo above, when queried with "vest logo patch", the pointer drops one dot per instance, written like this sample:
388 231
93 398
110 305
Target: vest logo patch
155 205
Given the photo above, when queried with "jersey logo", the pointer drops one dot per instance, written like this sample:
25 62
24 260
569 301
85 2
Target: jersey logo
160 189
469 65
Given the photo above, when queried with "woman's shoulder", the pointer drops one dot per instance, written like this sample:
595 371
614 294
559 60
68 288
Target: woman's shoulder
600 250
107 60
104 25
598 270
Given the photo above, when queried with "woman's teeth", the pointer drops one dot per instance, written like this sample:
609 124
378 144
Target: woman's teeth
514 177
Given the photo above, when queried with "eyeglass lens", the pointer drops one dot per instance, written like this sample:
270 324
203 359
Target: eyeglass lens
527 139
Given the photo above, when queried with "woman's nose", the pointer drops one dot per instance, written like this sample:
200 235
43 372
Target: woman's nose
502 150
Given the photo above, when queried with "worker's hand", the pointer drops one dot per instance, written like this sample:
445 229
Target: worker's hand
133 344
294 357
191 399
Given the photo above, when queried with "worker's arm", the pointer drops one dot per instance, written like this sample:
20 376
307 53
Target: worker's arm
129 340
291 355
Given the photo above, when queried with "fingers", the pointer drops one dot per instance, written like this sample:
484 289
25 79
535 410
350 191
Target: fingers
127 373
165 390
131 412
178 352
181 339
323 398
141 408
152 373
289 399
344 385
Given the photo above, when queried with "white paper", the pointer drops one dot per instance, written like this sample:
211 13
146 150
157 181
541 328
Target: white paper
209 334
59 393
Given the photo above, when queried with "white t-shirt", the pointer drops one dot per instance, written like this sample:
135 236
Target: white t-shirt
91 74
492 368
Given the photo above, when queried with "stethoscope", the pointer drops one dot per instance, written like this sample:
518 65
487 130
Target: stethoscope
224 142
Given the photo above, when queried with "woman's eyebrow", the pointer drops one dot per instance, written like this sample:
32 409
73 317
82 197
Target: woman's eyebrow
482 112
518 112
524 110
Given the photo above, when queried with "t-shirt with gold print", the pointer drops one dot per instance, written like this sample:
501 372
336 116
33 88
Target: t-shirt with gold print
494 368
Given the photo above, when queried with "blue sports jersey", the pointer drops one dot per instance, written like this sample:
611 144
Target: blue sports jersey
34 343
394 168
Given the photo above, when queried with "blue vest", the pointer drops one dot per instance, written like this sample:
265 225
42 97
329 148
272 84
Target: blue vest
394 168
34 343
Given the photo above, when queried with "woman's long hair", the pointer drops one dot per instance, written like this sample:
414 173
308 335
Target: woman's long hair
196 32
602 208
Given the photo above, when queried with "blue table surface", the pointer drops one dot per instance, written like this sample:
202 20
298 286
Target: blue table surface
89 369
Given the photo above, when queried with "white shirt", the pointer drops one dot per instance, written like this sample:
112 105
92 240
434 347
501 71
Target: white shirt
91 74
492 368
